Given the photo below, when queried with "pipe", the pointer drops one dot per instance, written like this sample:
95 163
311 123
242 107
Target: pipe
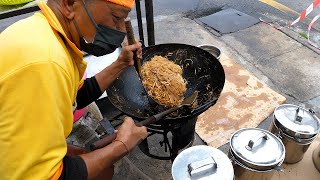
139 19
150 22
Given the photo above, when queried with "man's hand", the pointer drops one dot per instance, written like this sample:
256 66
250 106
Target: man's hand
130 134
125 59
126 55
100 162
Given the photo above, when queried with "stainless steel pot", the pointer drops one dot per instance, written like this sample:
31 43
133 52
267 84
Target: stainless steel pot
255 154
297 128
202 162
244 173
211 49
316 157
295 147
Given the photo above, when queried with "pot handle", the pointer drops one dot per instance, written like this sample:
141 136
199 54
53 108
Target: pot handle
279 168
254 141
297 118
194 168
314 115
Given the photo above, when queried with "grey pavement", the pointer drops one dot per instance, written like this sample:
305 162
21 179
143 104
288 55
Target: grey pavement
281 62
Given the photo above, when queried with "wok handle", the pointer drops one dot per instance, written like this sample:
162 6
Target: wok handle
103 142
147 121
157 117
107 140
167 112
131 40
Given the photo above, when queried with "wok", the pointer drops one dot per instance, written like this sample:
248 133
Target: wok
202 71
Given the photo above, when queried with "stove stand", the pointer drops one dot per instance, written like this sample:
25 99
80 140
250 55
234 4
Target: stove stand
165 140
175 137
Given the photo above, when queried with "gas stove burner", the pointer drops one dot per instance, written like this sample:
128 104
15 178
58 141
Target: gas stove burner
167 140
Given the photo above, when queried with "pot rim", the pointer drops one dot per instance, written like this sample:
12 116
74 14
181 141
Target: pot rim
305 140
211 46
251 169
263 166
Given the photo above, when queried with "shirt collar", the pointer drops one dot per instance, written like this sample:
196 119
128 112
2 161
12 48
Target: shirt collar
55 24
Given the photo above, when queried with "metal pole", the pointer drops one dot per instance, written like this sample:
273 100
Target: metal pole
150 22
139 19
19 12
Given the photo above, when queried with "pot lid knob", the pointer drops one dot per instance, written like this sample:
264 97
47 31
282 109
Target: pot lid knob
205 166
262 136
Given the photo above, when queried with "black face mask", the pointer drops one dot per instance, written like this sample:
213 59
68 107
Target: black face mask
106 40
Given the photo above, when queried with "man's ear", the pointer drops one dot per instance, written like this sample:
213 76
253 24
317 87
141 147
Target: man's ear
67 8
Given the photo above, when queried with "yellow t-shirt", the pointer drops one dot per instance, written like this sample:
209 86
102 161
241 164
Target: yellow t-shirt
39 79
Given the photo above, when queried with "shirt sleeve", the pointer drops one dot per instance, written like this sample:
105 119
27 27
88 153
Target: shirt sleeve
74 168
89 92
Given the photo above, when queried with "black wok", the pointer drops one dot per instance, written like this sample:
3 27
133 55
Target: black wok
202 70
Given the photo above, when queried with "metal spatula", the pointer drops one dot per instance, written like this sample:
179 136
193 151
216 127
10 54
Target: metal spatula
186 102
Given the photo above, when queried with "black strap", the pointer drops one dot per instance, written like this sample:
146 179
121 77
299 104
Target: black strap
89 14
74 168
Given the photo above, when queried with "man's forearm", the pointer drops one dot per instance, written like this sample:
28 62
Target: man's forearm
109 74
96 161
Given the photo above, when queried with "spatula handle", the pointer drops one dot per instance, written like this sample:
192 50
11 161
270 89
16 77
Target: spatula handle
130 34
157 117
131 40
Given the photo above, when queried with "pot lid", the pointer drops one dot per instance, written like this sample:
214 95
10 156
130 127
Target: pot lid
202 162
297 119
257 147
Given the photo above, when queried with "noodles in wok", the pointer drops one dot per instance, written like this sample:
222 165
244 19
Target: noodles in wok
163 80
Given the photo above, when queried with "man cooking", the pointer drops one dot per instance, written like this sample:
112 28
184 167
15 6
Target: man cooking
41 70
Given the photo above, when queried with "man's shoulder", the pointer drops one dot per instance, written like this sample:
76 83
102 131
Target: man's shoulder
28 37
27 29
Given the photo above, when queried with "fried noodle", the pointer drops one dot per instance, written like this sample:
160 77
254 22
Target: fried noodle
163 80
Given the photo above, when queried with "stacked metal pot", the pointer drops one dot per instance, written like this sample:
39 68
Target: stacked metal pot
255 154
297 128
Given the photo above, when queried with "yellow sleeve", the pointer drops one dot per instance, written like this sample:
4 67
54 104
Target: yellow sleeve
35 118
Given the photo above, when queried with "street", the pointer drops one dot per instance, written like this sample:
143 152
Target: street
278 9
280 12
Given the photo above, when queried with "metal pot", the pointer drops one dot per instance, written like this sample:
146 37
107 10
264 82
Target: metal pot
295 147
211 49
255 154
202 162
316 157
297 128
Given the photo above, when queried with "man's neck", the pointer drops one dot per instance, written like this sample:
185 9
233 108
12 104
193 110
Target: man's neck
54 6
